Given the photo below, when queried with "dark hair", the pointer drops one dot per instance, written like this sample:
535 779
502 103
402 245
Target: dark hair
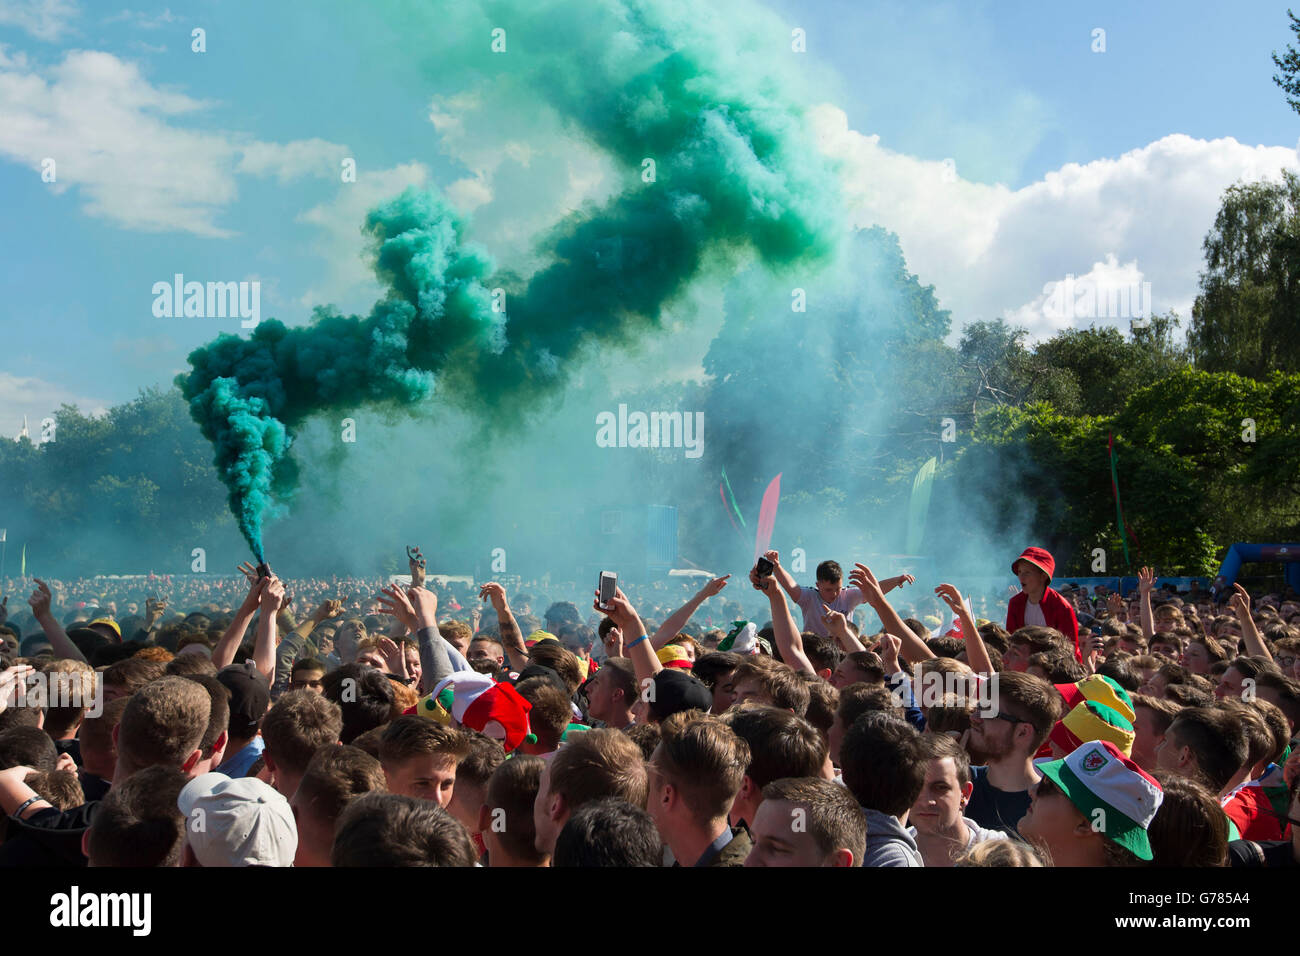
834 819
191 665
608 832
1034 700
1216 738
386 829
369 700
645 736
780 744
480 760
299 724
1121 672
219 710
598 763
412 735
710 668
705 760
858 699
823 700
27 747
511 793
870 664
337 775
1190 827
778 681
882 763
822 652
550 714
139 823
830 571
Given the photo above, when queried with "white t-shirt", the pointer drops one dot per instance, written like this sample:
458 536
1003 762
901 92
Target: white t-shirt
1034 614
811 603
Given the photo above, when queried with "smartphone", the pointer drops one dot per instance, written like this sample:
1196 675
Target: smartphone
764 568
608 582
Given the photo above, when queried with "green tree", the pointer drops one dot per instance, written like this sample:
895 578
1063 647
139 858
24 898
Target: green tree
1247 316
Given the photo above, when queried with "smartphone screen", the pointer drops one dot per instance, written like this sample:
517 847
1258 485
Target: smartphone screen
764 568
608 581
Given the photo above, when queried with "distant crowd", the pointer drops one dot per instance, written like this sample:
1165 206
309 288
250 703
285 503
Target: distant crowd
248 720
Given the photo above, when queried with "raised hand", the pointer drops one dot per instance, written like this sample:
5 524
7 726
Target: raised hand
1240 600
393 601
393 655
496 594
619 610
760 584
425 603
328 608
951 597
835 622
40 599
1146 580
416 562
613 641
249 572
271 595
10 681
897 581
889 648
773 556
714 586
862 578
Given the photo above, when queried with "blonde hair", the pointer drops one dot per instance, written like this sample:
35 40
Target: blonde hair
1004 853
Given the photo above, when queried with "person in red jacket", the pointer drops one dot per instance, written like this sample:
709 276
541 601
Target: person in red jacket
1038 604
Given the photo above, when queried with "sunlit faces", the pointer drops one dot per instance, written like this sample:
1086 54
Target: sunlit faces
846 673
724 692
1168 648
1145 739
372 658
781 840
545 813
993 737
413 668
1032 579
1230 683
424 776
306 678
939 806
1051 821
481 650
1196 658
600 695
1017 657
749 689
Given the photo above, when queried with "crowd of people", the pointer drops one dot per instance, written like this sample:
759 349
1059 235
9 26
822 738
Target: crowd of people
251 721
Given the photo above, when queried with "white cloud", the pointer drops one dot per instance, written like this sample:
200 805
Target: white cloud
350 282
143 20
287 161
44 19
989 250
1107 294
112 136
37 399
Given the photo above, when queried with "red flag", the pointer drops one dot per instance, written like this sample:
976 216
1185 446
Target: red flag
767 516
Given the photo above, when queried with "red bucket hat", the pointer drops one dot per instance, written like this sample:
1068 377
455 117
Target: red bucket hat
1039 558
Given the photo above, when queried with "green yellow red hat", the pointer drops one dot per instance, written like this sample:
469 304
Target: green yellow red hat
673 655
1091 721
1100 688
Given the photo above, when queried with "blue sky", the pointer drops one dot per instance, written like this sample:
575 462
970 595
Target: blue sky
225 165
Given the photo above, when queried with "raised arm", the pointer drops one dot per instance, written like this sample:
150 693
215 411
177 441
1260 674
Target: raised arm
228 645
512 639
59 640
1240 603
977 655
417 608
637 648
268 606
838 626
913 647
677 620
788 639
1146 581
784 577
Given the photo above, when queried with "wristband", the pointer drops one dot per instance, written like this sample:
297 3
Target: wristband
628 647
25 804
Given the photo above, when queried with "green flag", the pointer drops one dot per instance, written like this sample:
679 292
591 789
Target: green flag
920 506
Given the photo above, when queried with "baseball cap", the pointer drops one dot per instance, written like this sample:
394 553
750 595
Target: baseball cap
239 821
1098 777
250 696
673 691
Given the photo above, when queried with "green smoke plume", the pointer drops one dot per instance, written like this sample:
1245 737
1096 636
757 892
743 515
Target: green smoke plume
736 176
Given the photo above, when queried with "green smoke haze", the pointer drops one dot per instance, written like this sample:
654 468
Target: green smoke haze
735 180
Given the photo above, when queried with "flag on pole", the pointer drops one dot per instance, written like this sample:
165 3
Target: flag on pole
23 572
767 516
1124 533
729 500
919 506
